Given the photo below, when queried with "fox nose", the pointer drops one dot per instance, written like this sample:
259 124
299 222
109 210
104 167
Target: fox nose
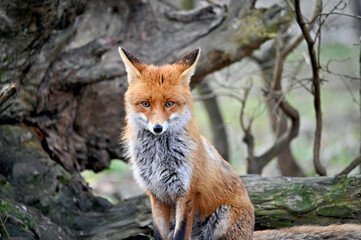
157 128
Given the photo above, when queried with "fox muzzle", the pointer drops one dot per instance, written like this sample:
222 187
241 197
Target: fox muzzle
157 129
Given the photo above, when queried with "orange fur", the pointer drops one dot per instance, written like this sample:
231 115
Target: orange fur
213 182
345 232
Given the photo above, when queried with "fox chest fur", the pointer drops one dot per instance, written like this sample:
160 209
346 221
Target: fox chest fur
160 163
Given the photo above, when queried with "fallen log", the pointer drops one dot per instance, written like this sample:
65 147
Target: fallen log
278 201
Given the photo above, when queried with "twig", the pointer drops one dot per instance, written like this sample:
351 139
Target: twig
3 225
243 107
284 140
7 93
336 7
342 14
317 90
327 69
351 166
340 75
256 163
248 138
299 38
319 38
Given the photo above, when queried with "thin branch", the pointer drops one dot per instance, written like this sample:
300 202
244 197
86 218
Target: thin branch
338 74
215 94
3 225
351 166
319 38
342 14
248 137
327 69
284 140
336 7
243 107
317 90
7 93
299 38
256 163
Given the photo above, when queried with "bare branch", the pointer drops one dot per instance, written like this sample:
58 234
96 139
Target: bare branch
248 138
299 38
317 90
342 14
256 163
351 166
284 140
338 6
7 93
328 70
243 107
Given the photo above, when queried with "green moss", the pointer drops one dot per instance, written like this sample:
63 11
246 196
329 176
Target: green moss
251 28
3 185
17 215
6 207
343 183
63 180
340 211
298 198
279 218
254 25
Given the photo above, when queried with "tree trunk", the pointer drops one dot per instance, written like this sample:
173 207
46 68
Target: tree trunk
218 129
286 162
63 57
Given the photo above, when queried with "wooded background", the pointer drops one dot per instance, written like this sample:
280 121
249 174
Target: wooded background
61 109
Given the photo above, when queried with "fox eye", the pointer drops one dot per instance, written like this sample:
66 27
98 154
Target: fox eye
145 104
169 104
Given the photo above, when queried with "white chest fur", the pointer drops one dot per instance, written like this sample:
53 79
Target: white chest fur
160 163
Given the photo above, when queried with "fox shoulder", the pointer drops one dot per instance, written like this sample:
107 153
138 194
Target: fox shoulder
335 232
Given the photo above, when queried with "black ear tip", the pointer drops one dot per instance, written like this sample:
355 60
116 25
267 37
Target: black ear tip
195 52
125 51
131 58
190 57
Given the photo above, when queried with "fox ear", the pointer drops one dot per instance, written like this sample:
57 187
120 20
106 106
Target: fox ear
188 64
133 65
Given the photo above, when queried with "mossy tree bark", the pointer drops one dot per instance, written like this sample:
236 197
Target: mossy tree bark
63 57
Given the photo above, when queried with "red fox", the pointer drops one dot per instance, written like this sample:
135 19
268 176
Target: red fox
194 193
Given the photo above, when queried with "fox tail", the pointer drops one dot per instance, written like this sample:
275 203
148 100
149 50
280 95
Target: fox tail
334 232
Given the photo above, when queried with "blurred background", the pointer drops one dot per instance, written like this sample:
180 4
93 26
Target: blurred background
239 94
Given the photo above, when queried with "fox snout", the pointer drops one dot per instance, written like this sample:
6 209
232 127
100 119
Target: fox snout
158 128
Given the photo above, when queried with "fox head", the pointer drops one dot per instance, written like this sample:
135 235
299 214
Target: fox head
158 98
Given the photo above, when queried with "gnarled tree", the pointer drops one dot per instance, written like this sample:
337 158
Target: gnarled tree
62 86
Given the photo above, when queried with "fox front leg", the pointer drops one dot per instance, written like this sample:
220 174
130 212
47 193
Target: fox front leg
161 216
184 218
